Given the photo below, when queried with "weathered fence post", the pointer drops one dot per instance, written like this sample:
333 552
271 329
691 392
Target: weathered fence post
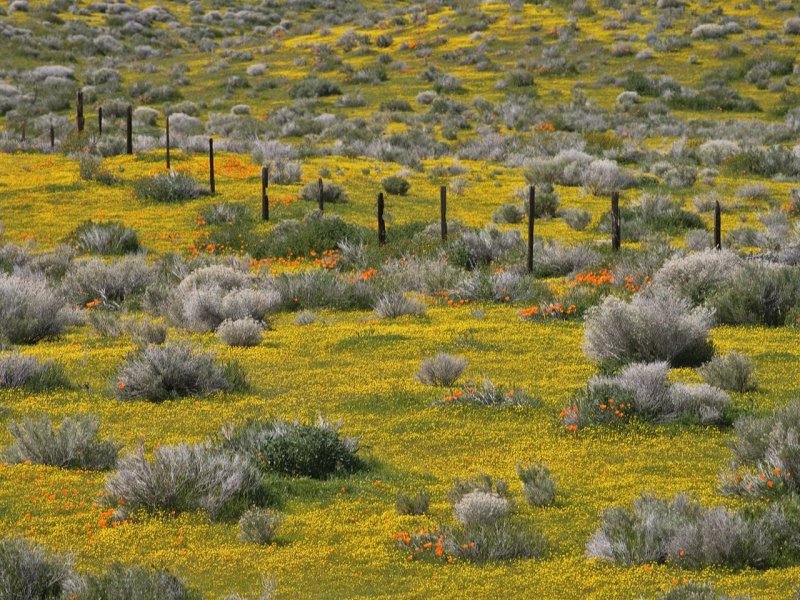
23 133
264 197
52 137
168 161
211 182
443 210
717 226
129 130
616 229
99 121
79 120
531 211
381 222
321 195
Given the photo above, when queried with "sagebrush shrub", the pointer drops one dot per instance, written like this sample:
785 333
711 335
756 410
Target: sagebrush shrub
443 369
698 275
481 508
108 283
487 393
295 449
417 504
91 169
396 185
648 328
29 572
29 309
394 305
508 213
19 371
167 187
185 478
758 293
732 371
331 192
74 445
240 332
696 591
538 485
226 213
158 373
107 237
122 582
259 525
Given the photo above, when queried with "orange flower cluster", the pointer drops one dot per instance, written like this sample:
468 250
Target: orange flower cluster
545 127
368 274
93 303
601 277
454 396
612 406
547 311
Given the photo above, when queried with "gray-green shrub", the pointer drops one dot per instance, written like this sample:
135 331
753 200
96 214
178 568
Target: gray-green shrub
443 369
19 371
732 371
259 525
29 309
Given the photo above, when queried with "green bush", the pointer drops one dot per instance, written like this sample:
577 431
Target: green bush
417 504
538 485
122 582
331 192
396 185
28 372
314 87
317 232
108 237
29 572
259 525
167 187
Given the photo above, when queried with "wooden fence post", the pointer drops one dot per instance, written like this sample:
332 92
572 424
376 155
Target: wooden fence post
79 120
23 133
99 121
381 222
264 197
168 161
443 210
717 226
129 130
52 137
531 211
212 184
321 195
616 229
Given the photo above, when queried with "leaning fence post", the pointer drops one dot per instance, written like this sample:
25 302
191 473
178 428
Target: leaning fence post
99 121
321 195
616 230
79 120
443 210
168 162
264 197
381 222
52 137
129 130
717 226
211 182
531 211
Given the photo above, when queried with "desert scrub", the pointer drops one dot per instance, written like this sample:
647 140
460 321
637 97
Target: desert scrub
259 525
395 185
226 213
696 591
122 582
732 371
487 393
443 369
643 390
29 572
28 372
159 373
74 445
648 328
538 485
394 304
331 192
240 332
94 282
167 187
508 213
91 168
418 504
186 478
108 238
481 508
295 449
29 309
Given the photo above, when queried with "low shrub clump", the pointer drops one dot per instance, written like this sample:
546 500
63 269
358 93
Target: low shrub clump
331 192
417 504
317 232
29 572
759 293
396 185
167 187
259 525
186 478
685 533
28 372
732 372
538 485
394 304
158 373
643 390
443 369
295 449
29 310
649 328
240 332
74 445
121 582
108 237
487 393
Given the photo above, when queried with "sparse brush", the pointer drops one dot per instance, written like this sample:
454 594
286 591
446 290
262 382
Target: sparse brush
443 369
732 371
331 192
576 218
122 582
28 372
259 525
538 485
29 310
167 187
305 317
226 213
481 508
417 504
483 482
240 332
508 213
74 445
144 332
107 237
394 305
29 572
487 393
92 169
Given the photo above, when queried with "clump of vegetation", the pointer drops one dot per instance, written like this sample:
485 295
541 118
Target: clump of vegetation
732 371
158 373
538 485
28 372
167 187
331 192
226 213
417 504
295 449
259 525
314 87
487 393
121 582
92 169
108 238
74 445
396 185
29 572
443 369
240 332
394 305
30 310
